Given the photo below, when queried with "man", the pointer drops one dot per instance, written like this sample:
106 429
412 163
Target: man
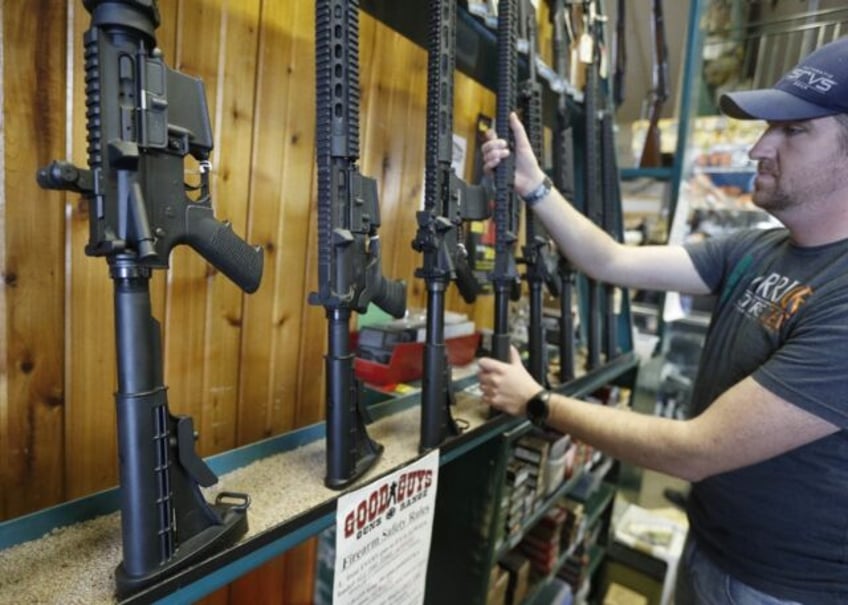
767 446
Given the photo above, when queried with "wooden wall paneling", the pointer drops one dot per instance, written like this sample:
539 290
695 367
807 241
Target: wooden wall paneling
262 586
311 399
90 453
268 155
413 135
384 133
233 122
298 68
188 287
470 100
219 597
301 565
33 257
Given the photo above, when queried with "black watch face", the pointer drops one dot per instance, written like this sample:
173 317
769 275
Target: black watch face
537 408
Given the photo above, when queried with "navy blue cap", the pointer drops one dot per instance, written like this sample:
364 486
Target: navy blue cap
816 87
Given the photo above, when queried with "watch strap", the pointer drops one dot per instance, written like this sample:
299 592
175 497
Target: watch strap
540 192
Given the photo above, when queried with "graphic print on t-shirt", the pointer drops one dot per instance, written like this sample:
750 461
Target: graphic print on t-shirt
773 299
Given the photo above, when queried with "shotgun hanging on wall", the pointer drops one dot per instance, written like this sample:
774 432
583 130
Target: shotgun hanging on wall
563 177
539 257
143 119
349 268
652 150
448 203
504 277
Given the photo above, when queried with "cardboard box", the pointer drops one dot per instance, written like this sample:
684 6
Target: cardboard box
497 587
517 567
621 595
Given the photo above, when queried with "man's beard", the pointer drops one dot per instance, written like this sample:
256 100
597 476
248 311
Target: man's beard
771 197
774 200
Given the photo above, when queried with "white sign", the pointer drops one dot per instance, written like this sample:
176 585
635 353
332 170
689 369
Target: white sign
383 533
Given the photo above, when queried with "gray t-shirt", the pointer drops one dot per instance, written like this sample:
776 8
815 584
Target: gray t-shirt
781 316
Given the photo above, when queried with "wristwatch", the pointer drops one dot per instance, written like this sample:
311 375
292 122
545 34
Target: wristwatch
538 407
539 193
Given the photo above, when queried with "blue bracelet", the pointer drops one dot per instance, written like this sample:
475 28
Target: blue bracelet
535 196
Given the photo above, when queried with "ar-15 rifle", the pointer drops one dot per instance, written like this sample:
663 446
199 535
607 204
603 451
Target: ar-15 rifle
504 276
590 56
620 54
611 192
652 150
611 185
563 176
539 257
349 271
143 119
448 202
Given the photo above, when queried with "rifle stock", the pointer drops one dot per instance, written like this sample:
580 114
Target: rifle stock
143 118
349 269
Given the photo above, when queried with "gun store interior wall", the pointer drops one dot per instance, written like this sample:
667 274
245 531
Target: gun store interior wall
244 366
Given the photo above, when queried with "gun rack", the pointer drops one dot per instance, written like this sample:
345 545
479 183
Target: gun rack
476 47
289 511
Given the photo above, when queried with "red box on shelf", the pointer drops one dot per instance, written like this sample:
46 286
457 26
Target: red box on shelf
407 361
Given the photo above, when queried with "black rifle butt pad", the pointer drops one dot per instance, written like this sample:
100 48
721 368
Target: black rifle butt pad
217 243
390 296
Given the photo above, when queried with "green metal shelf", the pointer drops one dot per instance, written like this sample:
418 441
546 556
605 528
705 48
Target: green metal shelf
230 564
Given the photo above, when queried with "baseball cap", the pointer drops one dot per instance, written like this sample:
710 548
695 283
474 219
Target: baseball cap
816 87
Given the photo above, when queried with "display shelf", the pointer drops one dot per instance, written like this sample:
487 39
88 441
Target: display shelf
596 504
282 534
234 562
563 490
466 538
660 174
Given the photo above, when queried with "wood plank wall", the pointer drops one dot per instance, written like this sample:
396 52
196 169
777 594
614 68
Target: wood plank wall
233 362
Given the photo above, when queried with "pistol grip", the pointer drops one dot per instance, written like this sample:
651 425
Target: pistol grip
466 283
391 297
217 243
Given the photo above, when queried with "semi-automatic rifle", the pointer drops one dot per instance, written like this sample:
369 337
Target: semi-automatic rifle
143 119
652 150
539 257
591 57
563 177
611 193
620 54
504 276
448 204
611 182
349 269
